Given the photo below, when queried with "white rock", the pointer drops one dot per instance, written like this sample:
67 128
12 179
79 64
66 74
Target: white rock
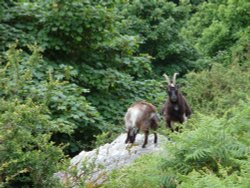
112 156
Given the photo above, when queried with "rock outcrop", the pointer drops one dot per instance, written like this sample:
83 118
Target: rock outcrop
108 157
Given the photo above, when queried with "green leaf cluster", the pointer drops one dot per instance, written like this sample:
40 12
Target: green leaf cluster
143 173
28 157
159 23
70 69
218 89
213 148
219 26
217 149
210 152
37 105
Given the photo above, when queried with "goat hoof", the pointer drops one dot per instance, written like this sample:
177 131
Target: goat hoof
143 146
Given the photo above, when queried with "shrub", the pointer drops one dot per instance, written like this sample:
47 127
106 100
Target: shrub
217 149
217 25
143 173
28 76
28 157
216 90
209 147
159 23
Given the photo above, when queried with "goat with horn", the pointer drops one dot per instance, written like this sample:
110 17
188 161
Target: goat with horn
175 108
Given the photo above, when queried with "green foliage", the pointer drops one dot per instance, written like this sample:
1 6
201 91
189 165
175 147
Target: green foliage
84 37
198 179
209 152
28 157
116 100
29 77
240 51
217 25
85 45
216 90
159 23
17 22
144 173
218 149
92 59
213 149
76 179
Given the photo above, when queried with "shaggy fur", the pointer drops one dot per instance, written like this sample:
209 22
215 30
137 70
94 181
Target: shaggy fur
175 108
141 116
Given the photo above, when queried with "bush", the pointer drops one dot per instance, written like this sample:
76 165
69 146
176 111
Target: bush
209 152
217 149
158 24
217 26
143 173
87 64
28 157
28 76
216 90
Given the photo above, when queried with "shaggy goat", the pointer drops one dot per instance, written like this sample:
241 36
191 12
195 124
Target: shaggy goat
141 116
175 108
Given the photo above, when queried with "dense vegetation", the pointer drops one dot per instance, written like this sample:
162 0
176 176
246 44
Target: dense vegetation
212 150
69 70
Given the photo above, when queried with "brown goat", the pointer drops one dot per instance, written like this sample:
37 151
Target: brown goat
141 116
175 108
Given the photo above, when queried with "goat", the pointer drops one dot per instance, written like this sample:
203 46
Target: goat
141 116
176 108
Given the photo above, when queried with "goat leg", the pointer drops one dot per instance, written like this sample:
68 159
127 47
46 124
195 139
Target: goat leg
169 124
127 139
155 138
145 139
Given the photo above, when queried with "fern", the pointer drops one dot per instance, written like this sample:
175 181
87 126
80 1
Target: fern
213 154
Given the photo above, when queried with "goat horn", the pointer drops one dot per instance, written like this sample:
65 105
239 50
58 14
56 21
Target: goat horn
174 78
167 78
